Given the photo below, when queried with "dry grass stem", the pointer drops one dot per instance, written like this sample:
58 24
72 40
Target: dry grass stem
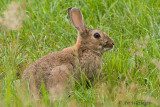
13 17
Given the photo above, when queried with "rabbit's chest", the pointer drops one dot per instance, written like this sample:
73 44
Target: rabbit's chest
90 63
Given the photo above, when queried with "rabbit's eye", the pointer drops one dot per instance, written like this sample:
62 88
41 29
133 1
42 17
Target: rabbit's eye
97 35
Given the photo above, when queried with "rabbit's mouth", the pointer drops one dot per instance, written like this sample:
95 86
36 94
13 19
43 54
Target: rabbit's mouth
106 48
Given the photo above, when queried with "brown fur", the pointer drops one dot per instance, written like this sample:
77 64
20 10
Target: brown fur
53 69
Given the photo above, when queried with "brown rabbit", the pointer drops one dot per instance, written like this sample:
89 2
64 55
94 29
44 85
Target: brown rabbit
54 68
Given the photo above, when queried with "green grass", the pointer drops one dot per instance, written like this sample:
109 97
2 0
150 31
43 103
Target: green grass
130 72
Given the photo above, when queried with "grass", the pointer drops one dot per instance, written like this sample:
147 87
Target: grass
130 72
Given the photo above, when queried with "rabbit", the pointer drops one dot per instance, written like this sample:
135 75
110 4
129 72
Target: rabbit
54 69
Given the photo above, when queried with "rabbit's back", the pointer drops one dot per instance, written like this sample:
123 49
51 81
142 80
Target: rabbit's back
44 67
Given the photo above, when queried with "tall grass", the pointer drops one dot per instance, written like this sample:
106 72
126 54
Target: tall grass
130 74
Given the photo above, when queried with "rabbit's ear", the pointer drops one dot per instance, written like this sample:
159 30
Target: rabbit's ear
76 19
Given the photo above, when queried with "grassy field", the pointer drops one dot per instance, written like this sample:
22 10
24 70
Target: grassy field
131 71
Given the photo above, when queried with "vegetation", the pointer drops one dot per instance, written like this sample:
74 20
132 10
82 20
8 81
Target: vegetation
130 73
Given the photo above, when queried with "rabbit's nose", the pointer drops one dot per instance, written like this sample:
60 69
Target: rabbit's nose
113 43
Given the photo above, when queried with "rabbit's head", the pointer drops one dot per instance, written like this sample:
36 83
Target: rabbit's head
93 39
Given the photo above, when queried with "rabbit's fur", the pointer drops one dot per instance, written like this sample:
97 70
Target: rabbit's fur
53 69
